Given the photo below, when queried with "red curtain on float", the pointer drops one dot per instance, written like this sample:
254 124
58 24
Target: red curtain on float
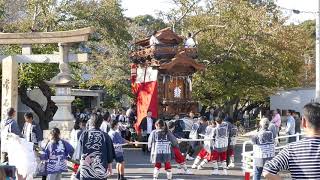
145 87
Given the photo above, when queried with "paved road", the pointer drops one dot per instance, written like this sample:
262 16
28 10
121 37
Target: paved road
139 167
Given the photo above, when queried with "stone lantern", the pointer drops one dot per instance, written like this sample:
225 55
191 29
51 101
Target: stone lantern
63 82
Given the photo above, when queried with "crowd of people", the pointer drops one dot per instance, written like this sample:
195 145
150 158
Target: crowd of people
297 155
98 137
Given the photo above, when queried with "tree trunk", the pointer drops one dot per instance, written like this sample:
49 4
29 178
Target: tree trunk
229 106
45 116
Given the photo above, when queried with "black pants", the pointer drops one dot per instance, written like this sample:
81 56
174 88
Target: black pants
144 146
190 149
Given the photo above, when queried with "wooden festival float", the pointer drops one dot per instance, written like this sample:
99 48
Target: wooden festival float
161 76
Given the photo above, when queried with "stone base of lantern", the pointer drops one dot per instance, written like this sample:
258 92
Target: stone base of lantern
63 119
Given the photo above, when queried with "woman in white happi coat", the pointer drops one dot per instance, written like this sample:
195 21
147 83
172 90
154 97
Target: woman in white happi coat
221 140
159 142
263 148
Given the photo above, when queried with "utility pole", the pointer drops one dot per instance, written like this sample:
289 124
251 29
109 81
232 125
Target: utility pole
317 97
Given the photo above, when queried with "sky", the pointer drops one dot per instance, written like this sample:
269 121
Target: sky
152 7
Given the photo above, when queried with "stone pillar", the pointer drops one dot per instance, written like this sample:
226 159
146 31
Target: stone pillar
9 85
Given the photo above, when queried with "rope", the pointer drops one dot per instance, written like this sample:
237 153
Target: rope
298 11
179 140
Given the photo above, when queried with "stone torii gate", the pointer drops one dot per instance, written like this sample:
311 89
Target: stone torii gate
10 63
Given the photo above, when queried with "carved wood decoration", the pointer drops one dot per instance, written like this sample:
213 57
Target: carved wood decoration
176 84
176 65
165 36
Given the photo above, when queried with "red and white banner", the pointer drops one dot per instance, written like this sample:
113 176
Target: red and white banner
146 90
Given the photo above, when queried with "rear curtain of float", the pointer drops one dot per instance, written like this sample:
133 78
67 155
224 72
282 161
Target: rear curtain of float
145 86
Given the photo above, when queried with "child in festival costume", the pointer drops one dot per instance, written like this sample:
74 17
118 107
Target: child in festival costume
56 152
232 141
117 140
205 152
221 137
159 142
178 157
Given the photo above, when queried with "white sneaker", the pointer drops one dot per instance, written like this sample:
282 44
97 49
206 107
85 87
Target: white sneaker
231 165
189 158
188 172
215 172
200 167
194 166
225 172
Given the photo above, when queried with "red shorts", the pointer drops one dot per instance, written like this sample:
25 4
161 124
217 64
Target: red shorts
178 155
203 154
167 165
219 156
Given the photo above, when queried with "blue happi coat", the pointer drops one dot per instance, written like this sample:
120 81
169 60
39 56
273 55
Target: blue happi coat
95 151
117 141
56 154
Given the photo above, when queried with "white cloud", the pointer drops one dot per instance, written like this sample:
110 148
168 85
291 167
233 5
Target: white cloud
141 7
152 7
301 5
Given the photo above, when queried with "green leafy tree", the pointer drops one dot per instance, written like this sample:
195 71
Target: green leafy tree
249 51
308 77
146 24
107 46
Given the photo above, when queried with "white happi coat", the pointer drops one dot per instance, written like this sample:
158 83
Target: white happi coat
263 148
160 144
221 136
209 145
233 135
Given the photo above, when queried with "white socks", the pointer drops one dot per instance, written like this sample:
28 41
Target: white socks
224 165
203 162
156 173
169 175
196 162
231 159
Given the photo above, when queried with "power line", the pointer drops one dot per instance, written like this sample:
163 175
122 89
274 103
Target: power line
296 11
